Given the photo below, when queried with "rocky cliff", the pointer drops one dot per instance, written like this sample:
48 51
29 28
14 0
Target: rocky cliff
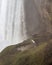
29 53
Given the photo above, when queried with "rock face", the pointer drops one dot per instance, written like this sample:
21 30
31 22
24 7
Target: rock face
46 8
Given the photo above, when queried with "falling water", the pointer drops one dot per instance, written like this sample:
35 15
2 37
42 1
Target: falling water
20 27
15 29
21 19
12 15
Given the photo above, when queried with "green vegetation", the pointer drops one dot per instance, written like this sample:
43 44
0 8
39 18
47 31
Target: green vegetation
41 55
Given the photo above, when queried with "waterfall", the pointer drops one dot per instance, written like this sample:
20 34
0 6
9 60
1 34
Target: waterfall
12 15
20 27
21 20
